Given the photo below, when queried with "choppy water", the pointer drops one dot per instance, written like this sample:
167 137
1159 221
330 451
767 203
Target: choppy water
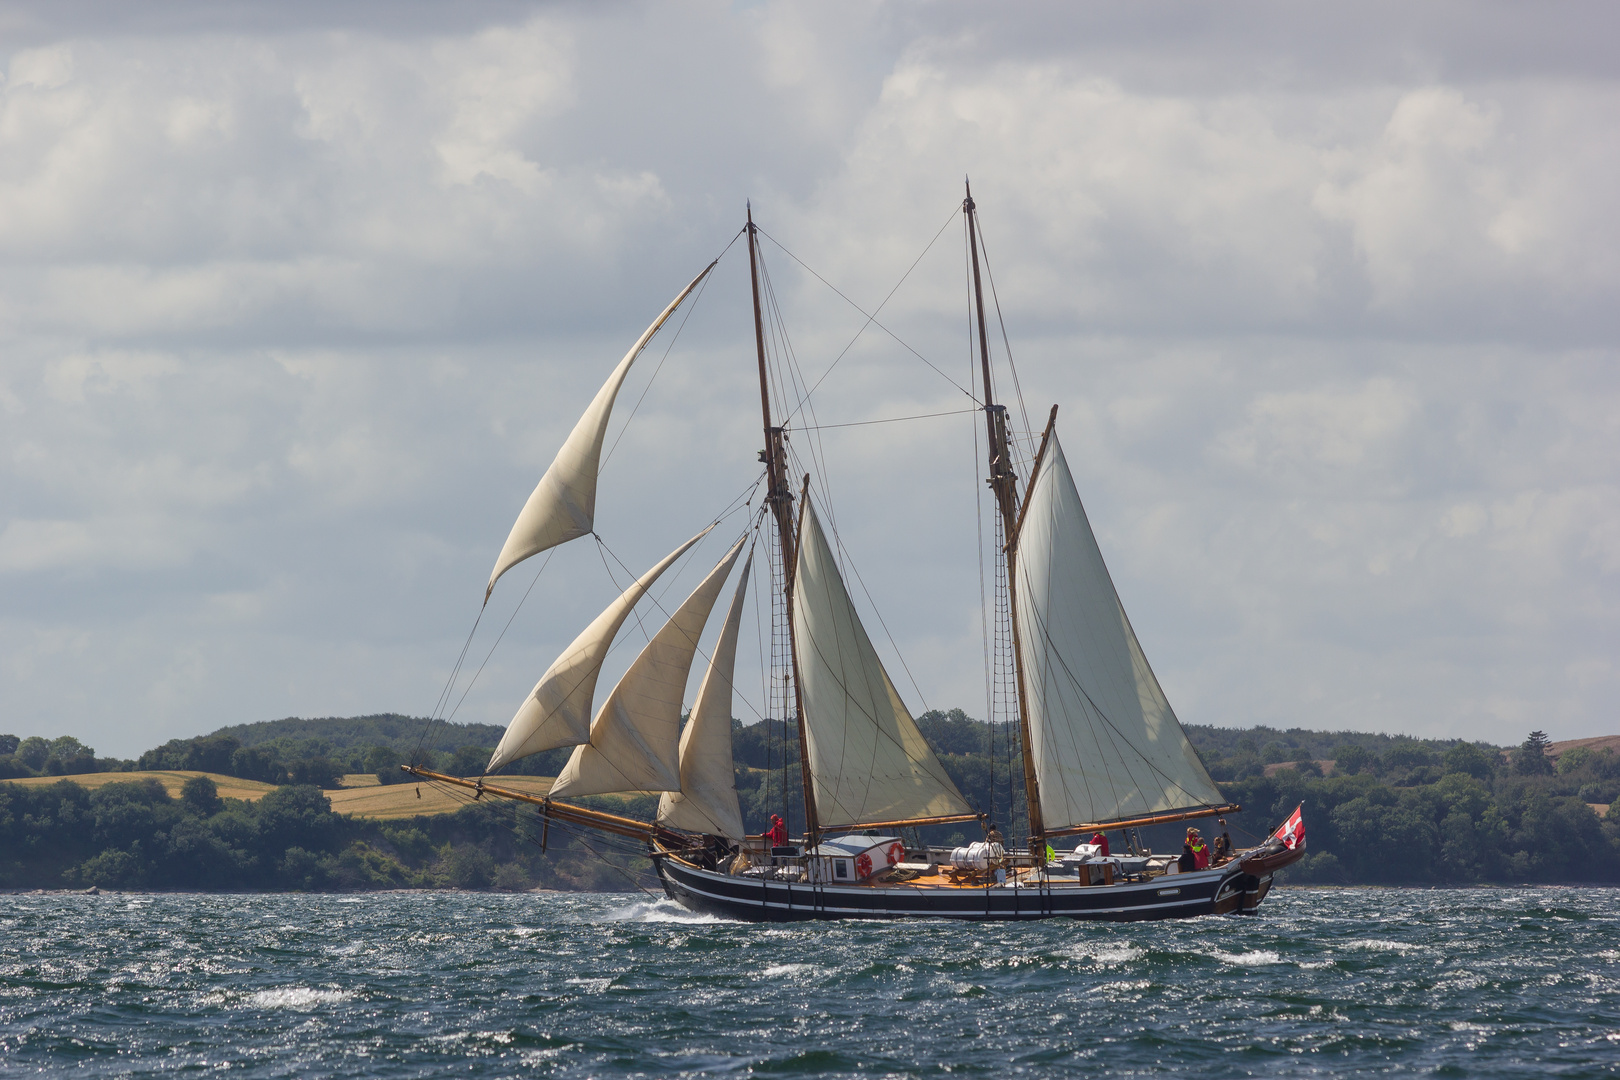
1482 982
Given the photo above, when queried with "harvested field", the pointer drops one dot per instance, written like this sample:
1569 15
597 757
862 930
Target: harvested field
230 787
357 798
400 800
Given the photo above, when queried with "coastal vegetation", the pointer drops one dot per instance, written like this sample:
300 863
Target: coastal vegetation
1379 809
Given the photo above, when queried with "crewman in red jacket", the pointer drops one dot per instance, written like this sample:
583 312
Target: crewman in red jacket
1200 850
1101 840
777 836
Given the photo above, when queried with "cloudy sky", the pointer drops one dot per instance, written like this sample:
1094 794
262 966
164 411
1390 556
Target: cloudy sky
298 301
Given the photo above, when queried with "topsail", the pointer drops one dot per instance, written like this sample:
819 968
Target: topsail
557 711
1106 744
563 505
635 737
707 800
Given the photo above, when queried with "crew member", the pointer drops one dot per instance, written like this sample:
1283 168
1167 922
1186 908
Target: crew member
1101 840
1188 862
778 832
1200 850
1223 845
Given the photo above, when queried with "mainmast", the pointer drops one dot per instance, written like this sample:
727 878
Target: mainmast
779 498
1004 485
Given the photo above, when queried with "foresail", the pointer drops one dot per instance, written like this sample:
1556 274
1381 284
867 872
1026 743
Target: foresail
635 737
1105 742
563 505
868 760
707 801
557 711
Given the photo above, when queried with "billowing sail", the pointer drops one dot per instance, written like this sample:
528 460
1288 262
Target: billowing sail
1106 744
563 504
557 711
707 801
868 760
635 737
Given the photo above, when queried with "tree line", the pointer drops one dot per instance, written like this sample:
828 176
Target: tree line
1391 811
134 835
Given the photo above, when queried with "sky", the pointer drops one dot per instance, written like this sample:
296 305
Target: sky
298 301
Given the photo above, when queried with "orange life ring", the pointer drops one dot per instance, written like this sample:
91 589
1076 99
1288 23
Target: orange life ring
863 865
897 851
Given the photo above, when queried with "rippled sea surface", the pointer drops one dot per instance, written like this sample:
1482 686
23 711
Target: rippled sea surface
1483 982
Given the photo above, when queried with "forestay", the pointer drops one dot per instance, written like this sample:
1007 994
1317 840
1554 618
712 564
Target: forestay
557 711
1106 744
868 760
707 800
636 735
563 505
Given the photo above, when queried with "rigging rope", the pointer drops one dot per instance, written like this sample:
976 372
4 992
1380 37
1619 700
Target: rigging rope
887 420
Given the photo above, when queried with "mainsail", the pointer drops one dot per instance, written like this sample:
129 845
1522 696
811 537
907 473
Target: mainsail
707 800
1105 742
563 505
635 737
557 711
868 760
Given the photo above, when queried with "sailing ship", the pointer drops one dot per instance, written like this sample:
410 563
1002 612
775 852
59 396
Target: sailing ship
1101 749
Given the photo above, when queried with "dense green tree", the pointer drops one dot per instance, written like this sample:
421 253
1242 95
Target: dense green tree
34 752
201 796
1531 759
1349 760
1471 759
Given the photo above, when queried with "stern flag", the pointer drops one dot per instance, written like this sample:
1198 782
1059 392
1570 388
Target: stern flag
1292 832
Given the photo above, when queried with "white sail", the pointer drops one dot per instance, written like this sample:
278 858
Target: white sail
563 505
557 711
868 760
707 801
1105 742
635 737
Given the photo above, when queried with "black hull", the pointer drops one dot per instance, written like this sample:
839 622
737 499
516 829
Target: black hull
1237 887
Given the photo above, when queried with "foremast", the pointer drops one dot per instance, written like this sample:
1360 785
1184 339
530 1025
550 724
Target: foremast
1003 481
779 498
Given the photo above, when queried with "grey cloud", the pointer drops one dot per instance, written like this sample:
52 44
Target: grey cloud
297 302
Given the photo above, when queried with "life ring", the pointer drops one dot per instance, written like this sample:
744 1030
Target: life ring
863 865
897 851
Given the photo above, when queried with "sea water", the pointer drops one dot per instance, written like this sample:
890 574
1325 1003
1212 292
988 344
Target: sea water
1472 982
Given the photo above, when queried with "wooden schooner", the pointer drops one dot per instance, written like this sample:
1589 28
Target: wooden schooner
1102 748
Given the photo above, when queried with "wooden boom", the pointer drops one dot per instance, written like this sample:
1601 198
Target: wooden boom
575 815
1137 823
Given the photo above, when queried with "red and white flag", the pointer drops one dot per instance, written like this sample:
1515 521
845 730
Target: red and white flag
1292 832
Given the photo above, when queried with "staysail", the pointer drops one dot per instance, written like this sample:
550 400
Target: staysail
557 711
868 760
707 800
635 737
563 505
1105 742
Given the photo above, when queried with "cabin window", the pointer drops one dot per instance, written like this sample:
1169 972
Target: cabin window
841 868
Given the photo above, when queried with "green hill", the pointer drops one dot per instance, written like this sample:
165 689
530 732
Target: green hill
338 733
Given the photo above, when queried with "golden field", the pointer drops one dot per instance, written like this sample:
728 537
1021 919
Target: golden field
361 795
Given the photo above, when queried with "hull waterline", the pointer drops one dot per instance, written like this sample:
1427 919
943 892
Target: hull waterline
1237 887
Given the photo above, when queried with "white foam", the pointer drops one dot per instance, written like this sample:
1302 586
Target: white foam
1249 959
591 986
777 970
663 911
1379 945
302 998
1104 954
